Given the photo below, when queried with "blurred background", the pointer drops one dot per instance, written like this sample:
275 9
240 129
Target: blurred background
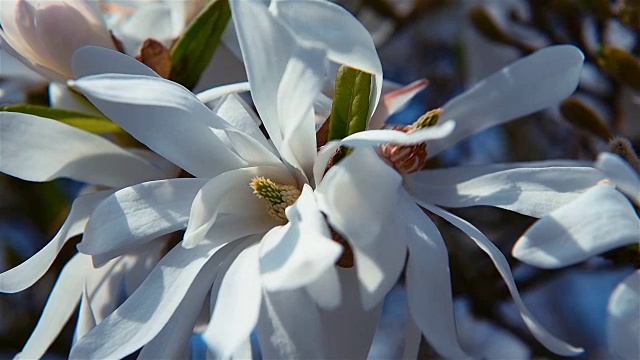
453 44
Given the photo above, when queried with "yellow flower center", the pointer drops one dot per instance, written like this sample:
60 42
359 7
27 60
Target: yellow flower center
278 197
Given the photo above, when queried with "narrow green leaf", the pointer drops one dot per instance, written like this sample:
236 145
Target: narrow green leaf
350 108
193 51
90 123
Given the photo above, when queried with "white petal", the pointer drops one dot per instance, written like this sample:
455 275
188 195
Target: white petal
39 149
61 304
303 248
173 341
291 325
620 173
266 48
301 83
530 84
166 117
148 309
231 194
138 214
379 137
237 307
429 293
27 273
335 29
599 220
395 101
220 91
527 188
86 321
94 60
547 339
623 321
358 195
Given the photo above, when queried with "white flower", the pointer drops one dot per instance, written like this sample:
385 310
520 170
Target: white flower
600 220
38 149
233 247
534 189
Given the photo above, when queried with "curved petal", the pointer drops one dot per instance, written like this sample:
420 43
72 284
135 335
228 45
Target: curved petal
220 91
230 194
347 41
530 84
143 315
528 188
86 320
94 60
39 149
429 293
600 220
547 339
620 173
138 214
292 326
358 195
302 250
623 321
61 304
30 271
237 306
166 117
379 137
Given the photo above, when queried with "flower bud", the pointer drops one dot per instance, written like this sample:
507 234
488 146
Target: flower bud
45 34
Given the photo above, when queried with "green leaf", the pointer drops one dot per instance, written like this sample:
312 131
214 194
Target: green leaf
90 123
193 51
350 108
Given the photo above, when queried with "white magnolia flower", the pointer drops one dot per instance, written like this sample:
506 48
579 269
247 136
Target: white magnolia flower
234 247
533 83
600 220
39 149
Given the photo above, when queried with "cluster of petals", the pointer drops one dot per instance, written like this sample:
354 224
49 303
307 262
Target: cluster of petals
600 220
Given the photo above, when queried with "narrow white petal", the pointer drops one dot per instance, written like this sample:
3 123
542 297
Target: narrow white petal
358 195
166 117
347 41
547 339
86 321
620 173
220 91
623 321
231 194
412 339
429 293
30 271
39 149
379 137
599 220
61 304
94 60
237 306
292 326
138 214
533 83
149 308
303 248
530 189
